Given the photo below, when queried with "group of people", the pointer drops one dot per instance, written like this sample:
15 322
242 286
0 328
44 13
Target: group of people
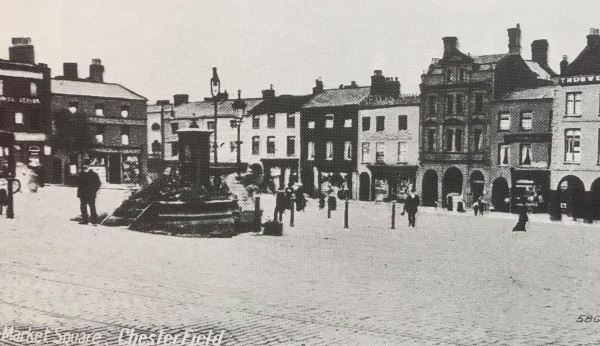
283 201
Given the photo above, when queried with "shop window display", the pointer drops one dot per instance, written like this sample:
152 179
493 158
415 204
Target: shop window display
131 168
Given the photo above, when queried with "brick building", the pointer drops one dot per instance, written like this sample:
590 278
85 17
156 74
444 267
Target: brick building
25 104
576 133
388 144
520 144
117 116
275 136
456 92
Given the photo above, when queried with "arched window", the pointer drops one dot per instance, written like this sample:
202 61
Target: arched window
33 89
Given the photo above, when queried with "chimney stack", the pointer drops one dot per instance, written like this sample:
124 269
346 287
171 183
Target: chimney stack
514 40
96 71
21 51
318 88
378 83
180 99
539 52
594 37
563 65
450 43
268 93
70 71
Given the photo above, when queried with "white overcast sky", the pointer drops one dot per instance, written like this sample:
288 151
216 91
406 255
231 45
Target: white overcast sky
161 48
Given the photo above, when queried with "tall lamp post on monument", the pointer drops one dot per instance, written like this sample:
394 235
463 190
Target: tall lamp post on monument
215 91
239 107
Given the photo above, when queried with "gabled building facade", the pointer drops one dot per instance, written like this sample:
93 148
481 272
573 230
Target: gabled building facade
117 116
576 134
25 105
275 136
455 117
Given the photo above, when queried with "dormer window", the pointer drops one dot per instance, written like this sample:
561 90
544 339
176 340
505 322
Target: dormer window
329 121
448 75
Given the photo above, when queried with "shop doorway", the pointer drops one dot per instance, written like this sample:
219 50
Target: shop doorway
365 187
452 183
501 195
429 188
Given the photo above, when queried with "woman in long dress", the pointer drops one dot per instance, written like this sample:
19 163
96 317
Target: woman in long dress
523 219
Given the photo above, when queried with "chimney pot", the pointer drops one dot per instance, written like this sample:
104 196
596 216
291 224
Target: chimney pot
594 37
268 93
318 88
96 71
21 51
563 65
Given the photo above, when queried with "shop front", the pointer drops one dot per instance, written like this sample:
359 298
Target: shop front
530 189
112 166
391 182
281 172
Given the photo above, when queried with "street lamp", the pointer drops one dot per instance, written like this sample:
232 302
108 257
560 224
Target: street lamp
239 106
215 91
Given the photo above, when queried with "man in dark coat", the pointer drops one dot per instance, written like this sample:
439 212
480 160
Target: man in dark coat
88 184
411 206
281 204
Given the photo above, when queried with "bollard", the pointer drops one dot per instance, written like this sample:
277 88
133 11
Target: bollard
346 215
10 213
328 209
292 200
394 215
257 214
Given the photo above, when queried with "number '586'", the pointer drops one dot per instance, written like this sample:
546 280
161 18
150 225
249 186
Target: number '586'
588 318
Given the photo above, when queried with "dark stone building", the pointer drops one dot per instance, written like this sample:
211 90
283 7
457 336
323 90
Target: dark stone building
25 104
456 92
520 143
117 116
329 132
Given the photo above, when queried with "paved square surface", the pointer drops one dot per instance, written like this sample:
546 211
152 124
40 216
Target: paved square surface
453 280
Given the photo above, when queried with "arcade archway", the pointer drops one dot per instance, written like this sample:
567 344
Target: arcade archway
501 195
451 183
594 205
429 188
572 196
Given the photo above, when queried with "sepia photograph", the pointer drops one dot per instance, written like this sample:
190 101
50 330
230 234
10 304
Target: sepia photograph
299 172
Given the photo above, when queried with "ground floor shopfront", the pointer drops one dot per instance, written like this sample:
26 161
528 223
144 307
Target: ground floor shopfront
513 189
32 149
439 183
113 165
385 182
342 177
280 172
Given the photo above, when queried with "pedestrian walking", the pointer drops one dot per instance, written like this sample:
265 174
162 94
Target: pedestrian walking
523 219
300 200
411 207
280 205
476 207
88 184
481 205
